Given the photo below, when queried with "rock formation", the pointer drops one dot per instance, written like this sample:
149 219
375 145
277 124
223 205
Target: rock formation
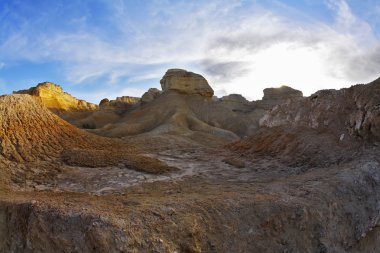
275 96
184 106
35 141
186 82
54 98
328 127
150 95
306 179
281 93
120 104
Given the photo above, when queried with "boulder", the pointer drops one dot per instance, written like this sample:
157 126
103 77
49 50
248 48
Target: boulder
186 82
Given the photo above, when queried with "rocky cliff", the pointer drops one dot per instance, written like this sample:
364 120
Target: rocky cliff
54 98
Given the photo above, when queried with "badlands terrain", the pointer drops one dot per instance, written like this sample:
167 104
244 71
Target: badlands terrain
180 170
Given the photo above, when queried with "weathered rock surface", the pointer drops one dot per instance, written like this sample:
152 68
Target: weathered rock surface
35 142
150 95
330 126
120 104
186 82
54 98
347 112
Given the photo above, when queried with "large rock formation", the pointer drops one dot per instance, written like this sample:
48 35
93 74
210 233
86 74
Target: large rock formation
184 106
186 82
54 98
275 96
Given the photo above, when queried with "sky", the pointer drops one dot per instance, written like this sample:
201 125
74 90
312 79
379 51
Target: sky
99 48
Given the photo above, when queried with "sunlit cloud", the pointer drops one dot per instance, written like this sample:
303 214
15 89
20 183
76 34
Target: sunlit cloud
239 47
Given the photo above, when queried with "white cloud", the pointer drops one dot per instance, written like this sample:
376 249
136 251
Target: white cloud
238 49
2 64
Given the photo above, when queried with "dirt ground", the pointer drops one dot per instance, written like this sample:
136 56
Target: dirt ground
207 205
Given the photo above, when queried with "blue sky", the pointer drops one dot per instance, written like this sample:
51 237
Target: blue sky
98 48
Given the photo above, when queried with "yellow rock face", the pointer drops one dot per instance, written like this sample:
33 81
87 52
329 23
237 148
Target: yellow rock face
53 97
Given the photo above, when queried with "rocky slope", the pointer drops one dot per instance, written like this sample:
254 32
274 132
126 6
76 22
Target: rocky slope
35 142
328 127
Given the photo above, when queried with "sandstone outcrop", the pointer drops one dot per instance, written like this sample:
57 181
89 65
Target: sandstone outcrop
276 96
120 103
281 93
150 95
54 98
186 82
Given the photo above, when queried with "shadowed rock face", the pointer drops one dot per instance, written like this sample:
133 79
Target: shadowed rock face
186 82
283 92
275 96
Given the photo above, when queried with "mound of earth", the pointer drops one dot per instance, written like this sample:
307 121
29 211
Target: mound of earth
35 141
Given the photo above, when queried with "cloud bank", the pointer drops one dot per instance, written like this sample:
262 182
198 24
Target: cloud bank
239 46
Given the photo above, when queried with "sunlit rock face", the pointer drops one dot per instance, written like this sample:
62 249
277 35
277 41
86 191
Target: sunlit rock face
54 98
186 82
